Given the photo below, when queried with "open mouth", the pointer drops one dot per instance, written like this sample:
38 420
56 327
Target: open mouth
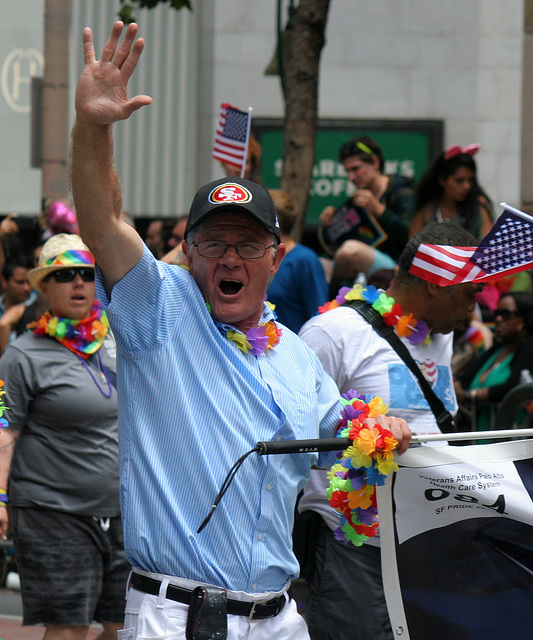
230 287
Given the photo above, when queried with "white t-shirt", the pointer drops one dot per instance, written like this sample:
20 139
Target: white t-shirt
356 357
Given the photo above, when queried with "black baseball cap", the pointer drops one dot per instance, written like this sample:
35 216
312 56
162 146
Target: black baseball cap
237 195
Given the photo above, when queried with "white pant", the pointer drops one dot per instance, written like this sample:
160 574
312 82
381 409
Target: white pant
151 617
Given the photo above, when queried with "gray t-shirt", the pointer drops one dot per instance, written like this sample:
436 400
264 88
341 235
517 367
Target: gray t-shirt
66 456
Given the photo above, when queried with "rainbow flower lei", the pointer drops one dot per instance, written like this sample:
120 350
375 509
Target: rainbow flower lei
3 422
363 465
258 339
406 326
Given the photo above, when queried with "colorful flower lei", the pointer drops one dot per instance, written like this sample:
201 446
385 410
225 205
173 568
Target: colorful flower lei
258 339
416 331
3 422
362 466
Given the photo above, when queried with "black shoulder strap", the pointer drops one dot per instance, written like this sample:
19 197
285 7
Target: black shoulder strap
443 416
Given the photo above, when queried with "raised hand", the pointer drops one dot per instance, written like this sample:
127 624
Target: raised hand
101 95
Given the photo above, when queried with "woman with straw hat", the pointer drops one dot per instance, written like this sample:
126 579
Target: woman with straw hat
60 453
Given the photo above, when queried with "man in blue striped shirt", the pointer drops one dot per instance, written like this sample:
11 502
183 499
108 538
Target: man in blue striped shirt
204 372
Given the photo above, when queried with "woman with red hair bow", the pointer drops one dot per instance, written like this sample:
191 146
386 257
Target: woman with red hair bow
449 192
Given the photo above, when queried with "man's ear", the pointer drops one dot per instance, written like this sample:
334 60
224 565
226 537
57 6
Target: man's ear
281 250
43 287
187 251
433 289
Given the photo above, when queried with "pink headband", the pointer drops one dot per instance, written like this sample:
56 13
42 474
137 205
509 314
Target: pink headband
456 150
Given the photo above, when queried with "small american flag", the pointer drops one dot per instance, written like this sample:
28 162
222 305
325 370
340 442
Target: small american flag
231 138
506 249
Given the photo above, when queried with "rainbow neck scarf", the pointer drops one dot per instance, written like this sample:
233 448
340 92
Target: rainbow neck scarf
83 337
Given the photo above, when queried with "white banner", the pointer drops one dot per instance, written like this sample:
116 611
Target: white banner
457 542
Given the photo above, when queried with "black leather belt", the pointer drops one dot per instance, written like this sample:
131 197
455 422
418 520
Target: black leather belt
252 610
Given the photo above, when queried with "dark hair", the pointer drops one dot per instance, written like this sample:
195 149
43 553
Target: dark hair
286 208
524 305
356 147
430 189
433 233
10 266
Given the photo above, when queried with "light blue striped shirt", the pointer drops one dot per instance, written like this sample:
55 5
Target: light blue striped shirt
190 404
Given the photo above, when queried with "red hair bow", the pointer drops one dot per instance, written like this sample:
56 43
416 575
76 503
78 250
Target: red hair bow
456 149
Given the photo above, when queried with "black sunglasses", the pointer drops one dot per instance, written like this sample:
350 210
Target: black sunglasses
68 275
506 314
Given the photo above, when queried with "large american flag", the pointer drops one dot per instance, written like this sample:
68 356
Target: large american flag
231 138
506 249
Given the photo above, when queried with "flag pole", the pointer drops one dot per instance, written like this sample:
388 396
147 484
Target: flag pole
472 435
517 212
248 128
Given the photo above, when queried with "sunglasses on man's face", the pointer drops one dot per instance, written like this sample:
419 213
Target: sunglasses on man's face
68 275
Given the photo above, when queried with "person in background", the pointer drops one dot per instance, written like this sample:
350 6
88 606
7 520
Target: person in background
449 192
18 300
174 254
177 234
252 170
205 373
369 231
157 234
299 287
59 455
15 284
8 227
498 370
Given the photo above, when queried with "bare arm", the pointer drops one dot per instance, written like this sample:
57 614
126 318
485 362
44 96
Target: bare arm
7 322
7 446
101 100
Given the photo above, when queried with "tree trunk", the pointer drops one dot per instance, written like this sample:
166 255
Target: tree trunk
55 134
304 43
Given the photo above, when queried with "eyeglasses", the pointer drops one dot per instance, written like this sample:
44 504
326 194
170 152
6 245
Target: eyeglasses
506 314
69 275
246 250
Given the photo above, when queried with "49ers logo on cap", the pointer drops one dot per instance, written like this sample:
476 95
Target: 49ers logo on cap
229 192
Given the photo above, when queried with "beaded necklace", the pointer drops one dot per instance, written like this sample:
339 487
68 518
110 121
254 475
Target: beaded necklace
103 375
406 326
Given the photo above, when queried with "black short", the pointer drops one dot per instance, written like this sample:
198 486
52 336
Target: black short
72 571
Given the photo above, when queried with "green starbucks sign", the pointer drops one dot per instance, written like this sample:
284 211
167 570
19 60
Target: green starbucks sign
409 146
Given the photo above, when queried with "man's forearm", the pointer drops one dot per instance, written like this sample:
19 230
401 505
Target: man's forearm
116 246
95 183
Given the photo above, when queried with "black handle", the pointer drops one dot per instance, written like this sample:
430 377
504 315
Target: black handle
302 446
